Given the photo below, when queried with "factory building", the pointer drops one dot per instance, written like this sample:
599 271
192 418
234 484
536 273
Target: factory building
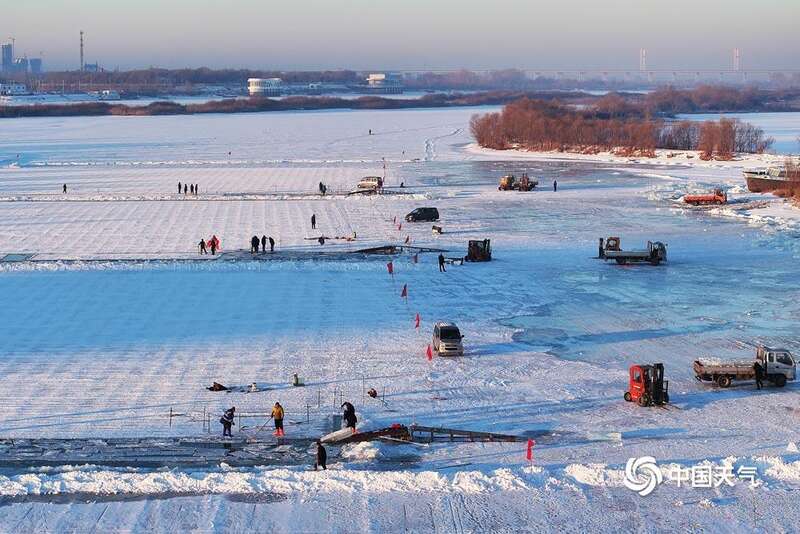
385 83
13 89
264 86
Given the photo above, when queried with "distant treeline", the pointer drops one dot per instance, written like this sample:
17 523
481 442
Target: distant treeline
201 76
610 124
154 81
719 98
257 104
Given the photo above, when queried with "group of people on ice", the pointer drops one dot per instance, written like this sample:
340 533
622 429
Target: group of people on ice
187 189
276 415
212 244
254 242
349 420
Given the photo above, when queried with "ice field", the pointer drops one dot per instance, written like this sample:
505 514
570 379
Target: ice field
118 320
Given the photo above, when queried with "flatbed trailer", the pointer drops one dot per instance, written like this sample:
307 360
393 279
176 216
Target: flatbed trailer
778 364
655 253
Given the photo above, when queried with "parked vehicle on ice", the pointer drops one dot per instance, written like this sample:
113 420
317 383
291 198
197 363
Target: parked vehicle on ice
370 182
778 364
718 196
423 215
447 339
479 250
655 253
509 182
646 385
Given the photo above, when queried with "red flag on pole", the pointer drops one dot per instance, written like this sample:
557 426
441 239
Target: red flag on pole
429 353
404 293
416 324
390 267
529 453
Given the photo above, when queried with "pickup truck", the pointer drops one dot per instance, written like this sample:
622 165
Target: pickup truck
779 366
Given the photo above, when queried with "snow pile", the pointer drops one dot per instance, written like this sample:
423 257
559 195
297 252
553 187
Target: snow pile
779 469
100 481
94 480
595 474
361 452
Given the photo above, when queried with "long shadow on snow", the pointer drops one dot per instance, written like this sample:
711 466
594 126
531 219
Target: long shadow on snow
735 392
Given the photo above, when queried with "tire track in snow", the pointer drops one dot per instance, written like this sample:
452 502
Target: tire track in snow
430 144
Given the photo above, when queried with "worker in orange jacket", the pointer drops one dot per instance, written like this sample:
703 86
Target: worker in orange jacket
277 415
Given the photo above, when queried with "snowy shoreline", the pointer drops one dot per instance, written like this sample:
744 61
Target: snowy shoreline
689 158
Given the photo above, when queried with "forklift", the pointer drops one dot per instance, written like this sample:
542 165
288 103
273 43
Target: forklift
479 251
646 385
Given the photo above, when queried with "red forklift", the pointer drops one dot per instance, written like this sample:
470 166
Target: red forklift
646 385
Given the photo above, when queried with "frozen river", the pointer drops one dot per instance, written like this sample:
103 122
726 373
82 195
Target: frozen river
97 344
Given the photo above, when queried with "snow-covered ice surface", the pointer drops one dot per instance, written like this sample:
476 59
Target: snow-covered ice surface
97 343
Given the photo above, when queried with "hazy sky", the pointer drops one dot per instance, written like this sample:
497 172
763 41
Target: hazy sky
381 34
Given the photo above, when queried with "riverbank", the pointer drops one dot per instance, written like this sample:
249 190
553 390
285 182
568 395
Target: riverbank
292 103
689 158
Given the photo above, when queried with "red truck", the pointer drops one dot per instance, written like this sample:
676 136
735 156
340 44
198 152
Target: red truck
718 196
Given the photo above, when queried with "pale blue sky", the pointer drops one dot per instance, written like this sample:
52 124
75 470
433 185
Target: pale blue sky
361 34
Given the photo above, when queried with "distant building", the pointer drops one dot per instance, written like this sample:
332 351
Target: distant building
386 83
7 53
91 67
35 64
264 86
13 89
21 65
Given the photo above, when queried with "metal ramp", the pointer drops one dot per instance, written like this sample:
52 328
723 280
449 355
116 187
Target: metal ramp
16 257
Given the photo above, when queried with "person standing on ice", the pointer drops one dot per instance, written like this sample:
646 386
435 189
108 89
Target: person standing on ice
759 370
65 189
313 221
180 188
263 244
349 416
441 264
555 186
214 243
254 244
322 457
202 246
271 244
227 422
277 415
185 189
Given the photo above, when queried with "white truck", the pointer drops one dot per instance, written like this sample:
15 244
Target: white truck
778 365
655 253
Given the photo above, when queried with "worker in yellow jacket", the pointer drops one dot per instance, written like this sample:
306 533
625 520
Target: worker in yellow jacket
277 415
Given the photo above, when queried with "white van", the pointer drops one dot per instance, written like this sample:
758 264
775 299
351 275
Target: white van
370 182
